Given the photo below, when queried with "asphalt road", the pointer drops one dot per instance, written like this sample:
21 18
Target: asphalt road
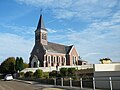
14 85
17 85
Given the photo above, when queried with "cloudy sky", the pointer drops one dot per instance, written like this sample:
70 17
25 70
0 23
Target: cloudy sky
93 26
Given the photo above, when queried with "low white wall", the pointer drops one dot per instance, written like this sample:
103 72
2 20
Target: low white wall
107 67
45 69
49 69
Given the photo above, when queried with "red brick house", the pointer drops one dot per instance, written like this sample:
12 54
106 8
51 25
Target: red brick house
48 54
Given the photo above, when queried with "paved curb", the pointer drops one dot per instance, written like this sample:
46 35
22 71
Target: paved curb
28 82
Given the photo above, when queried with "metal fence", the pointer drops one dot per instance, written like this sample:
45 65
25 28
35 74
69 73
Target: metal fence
104 83
111 83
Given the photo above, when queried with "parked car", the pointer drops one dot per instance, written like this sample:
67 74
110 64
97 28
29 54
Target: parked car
8 77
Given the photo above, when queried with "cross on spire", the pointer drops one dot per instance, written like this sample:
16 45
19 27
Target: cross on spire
41 11
41 22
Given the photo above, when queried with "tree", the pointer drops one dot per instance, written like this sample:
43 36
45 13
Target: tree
25 65
53 73
8 66
105 60
46 75
19 64
64 71
38 73
71 71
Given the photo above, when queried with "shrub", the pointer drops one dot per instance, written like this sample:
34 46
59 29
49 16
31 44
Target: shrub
64 71
71 71
21 74
38 73
53 73
28 74
46 75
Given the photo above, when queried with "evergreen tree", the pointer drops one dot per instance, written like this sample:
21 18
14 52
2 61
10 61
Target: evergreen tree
17 64
21 64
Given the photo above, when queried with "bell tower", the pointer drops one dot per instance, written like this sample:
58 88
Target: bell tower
41 32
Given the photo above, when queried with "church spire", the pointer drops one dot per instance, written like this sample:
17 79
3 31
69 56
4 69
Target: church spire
41 24
41 32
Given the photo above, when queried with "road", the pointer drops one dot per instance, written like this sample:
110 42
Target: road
17 85
14 85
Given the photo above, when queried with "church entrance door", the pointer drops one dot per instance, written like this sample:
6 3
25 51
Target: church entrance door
35 65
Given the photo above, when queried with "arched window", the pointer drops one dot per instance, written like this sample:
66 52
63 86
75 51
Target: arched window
62 60
54 59
73 59
46 64
52 62
44 36
48 59
57 59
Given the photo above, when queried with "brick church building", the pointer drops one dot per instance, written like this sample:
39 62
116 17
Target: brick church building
49 54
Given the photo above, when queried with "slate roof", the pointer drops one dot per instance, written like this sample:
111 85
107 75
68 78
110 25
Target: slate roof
41 24
57 48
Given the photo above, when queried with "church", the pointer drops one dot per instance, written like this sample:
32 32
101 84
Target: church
49 54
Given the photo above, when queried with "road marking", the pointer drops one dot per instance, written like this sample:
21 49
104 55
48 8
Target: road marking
1 87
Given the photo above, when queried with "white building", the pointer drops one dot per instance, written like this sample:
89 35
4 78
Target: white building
102 74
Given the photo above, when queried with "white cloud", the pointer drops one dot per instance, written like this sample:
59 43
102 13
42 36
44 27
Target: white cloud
82 9
116 17
100 39
66 14
90 54
20 30
51 30
14 45
47 3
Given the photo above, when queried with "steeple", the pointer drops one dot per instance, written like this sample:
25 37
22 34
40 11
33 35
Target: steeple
41 32
41 24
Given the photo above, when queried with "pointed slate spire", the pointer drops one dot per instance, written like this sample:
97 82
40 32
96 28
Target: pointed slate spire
41 24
